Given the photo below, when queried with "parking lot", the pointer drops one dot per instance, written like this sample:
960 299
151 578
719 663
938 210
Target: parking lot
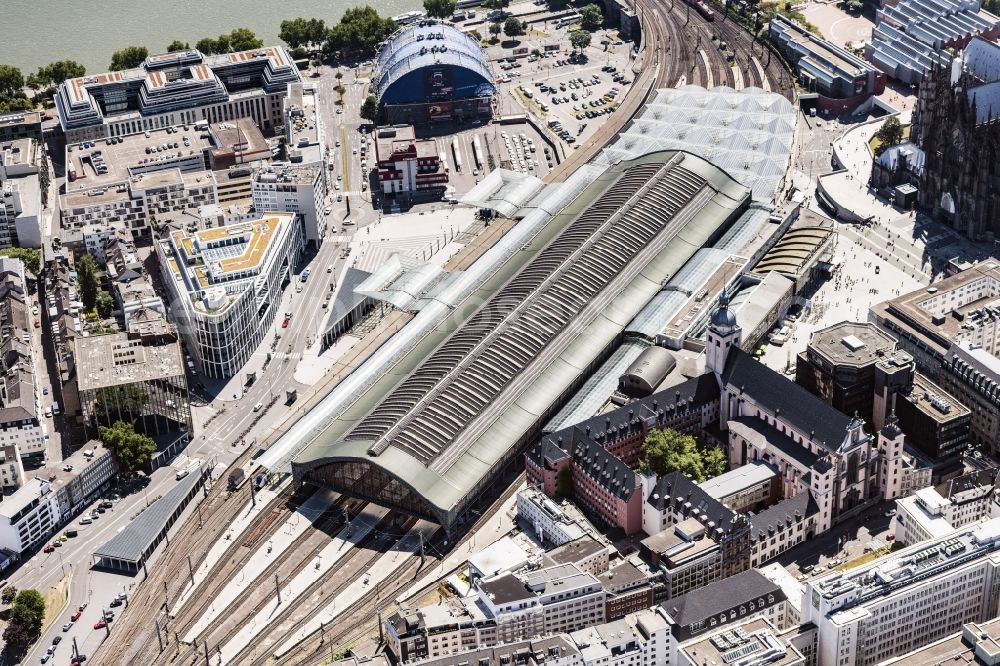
560 85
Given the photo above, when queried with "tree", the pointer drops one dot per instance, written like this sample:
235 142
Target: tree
206 45
369 109
8 594
360 30
105 304
495 29
512 27
890 134
591 17
131 450
86 278
714 460
177 45
128 57
32 259
302 31
579 39
667 450
55 73
24 624
11 81
441 9
244 39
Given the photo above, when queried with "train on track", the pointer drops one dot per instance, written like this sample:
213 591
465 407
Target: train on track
702 8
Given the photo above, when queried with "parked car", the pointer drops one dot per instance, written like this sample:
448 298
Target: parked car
48 549
75 616
100 624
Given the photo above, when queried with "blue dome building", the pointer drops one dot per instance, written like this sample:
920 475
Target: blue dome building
432 72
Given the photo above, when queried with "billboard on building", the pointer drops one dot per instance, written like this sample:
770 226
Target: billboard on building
440 111
439 82
519 52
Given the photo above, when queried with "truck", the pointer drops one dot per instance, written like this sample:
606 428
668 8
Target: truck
477 152
458 155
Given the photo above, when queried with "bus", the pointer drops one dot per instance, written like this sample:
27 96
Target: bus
569 19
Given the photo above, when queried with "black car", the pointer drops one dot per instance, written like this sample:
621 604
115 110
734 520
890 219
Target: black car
56 640
115 603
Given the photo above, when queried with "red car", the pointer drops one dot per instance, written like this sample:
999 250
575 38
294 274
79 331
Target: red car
48 549
284 324
100 624
75 616
37 323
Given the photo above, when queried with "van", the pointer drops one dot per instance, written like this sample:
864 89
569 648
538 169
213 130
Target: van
55 407
259 406
182 473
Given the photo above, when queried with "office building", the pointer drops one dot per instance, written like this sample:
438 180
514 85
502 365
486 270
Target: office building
304 131
978 643
842 82
225 286
551 522
28 516
753 643
299 189
408 166
936 424
907 599
838 365
972 375
179 88
21 125
20 194
137 377
78 479
960 309
934 511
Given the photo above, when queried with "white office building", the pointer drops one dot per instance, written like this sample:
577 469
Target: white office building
935 511
178 88
20 195
914 597
28 516
297 189
225 286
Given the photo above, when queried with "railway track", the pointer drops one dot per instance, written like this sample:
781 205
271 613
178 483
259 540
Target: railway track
305 602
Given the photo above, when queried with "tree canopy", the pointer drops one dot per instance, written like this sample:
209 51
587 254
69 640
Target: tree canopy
11 81
369 109
512 27
177 45
131 450
24 624
360 29
440 8
667 450
32 259
890 134
8 594
55 73
244 39
128 57
301 31
579 39
86 277
591 17
105 304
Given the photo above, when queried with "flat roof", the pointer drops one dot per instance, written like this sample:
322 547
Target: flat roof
976 643
936 314
553 308
741 641
56 474
118 358
934 401
129 152
23 496
838 344
133 542
739 479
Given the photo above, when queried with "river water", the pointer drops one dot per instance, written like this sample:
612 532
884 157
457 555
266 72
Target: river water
36 32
